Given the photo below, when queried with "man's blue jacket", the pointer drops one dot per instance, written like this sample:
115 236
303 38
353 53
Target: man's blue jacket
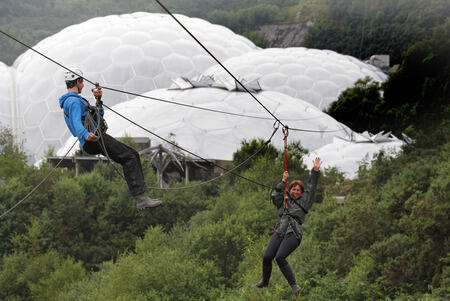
74 111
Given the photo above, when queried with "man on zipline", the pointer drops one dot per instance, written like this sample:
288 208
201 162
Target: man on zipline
86 123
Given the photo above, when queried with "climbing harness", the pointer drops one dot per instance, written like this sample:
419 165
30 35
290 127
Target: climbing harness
93 121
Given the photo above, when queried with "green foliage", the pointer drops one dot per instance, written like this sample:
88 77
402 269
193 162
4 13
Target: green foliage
249 148
12 159
37 278
159 270
387 242
415 97
360 106
364 28
11 283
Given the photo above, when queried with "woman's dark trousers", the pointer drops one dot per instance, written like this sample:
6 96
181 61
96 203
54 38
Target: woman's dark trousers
279 249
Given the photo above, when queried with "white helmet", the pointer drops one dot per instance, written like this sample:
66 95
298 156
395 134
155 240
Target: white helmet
69 75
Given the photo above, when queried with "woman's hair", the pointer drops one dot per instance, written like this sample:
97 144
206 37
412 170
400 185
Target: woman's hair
295 183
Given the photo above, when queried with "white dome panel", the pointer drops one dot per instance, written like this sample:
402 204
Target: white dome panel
35 113
100 62
326 88
135 37
118 73
300 82
347 155
6 101
148 68
174 62
105 43
52 123
127 53
303 67
272 81
139 51
215 135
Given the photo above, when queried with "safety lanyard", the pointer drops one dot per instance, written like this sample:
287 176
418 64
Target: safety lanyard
286 133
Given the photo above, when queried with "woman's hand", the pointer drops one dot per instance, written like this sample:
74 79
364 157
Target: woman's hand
285 176
317 163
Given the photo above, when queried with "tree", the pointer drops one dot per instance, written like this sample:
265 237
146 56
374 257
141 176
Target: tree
12 159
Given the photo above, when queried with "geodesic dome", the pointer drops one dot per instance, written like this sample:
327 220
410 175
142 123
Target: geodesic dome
348 155
6 96
316 76
215 135
135 52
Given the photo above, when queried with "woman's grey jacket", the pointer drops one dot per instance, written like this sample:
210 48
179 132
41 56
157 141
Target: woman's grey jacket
292 218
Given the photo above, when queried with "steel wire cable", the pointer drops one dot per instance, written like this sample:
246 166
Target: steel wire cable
95 84
223 112
209 52
182 148
210 180
103 148
168 101
135 94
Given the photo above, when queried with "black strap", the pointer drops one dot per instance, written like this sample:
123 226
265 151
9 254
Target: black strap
67 115
295 201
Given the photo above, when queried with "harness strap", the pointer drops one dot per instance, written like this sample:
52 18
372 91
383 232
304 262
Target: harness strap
94 115
67 115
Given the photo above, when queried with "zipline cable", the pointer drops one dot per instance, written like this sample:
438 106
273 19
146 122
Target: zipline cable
163 100
206 49
40 53
213 110
183 149
213 179
95 84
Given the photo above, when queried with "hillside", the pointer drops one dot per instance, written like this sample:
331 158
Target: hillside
80 237
358 28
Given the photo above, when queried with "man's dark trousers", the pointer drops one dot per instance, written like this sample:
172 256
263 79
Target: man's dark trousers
125 156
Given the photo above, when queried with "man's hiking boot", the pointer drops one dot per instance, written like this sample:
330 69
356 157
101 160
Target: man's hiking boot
143 201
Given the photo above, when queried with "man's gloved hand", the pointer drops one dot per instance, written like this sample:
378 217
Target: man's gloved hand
98 93
91 137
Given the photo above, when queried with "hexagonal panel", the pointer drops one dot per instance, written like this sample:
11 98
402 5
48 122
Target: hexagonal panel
303 67
216 135
139 51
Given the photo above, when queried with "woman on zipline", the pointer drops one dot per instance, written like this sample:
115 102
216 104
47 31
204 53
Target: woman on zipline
293 205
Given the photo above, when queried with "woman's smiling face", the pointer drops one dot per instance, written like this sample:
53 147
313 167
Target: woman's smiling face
296 191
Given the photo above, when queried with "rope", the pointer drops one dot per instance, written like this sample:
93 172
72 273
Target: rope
183 149
97 85
198 184
217 111
286 133
224 174
168 101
